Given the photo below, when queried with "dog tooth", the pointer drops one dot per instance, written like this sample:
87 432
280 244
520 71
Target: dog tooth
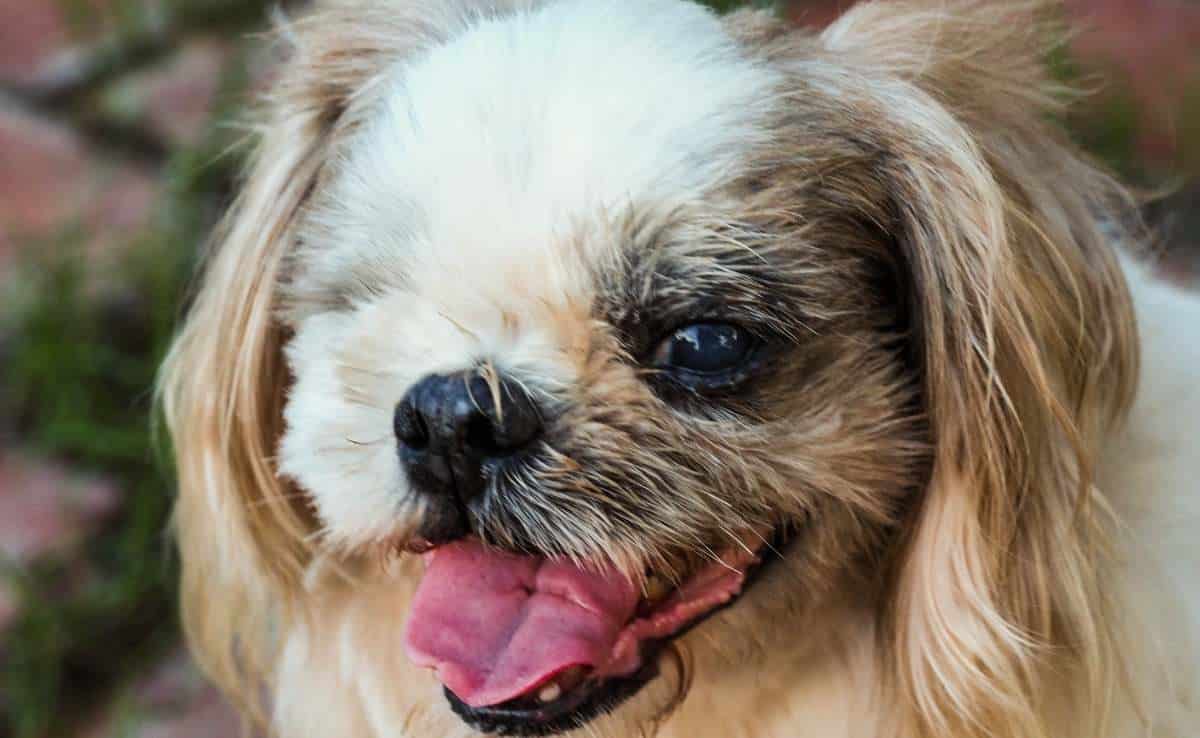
550 692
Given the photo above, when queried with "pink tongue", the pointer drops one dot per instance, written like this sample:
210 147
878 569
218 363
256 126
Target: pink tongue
495 625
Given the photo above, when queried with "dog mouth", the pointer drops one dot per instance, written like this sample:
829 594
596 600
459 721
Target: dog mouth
531 646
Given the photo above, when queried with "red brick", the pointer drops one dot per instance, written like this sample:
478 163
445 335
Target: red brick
46 510
40 39
171 701
31 33
173 100
49 179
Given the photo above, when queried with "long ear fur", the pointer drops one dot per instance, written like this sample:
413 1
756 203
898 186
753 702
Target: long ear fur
245 537
1026 337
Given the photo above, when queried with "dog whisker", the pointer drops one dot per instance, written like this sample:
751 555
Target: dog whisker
458 326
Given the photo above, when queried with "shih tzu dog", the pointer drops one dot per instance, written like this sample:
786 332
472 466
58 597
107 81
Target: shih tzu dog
611 368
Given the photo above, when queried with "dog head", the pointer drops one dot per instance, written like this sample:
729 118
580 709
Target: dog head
622 313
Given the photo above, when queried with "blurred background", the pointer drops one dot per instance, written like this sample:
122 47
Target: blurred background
117 154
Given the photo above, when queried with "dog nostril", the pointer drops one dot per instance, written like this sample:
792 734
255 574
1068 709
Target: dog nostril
481 436
496 432
410 427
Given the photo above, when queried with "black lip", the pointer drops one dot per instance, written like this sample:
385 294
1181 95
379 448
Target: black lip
573 710
591 700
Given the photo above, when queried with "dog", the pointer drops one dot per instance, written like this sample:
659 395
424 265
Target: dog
614 368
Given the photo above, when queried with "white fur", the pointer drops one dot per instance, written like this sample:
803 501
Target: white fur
1150 472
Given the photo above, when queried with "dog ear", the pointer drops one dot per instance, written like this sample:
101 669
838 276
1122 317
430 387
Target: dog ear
244 536
1024 334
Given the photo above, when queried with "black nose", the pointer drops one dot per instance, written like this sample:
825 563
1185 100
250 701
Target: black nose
452 430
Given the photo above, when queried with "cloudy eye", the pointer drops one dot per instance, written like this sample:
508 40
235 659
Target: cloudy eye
704 349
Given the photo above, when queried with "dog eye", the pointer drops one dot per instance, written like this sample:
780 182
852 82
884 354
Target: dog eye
704 349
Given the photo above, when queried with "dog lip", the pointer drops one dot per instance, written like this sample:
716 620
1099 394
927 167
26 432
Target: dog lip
570 711
526 716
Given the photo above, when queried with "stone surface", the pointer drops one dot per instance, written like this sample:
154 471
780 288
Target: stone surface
173 100
31 34
50 180
171 701
42 41
45 509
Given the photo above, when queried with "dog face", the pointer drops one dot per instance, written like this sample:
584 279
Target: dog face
599 252
613 304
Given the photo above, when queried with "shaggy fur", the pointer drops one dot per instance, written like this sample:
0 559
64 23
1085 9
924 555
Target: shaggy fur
980 415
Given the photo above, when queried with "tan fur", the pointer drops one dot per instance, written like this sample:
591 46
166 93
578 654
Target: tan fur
951 579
